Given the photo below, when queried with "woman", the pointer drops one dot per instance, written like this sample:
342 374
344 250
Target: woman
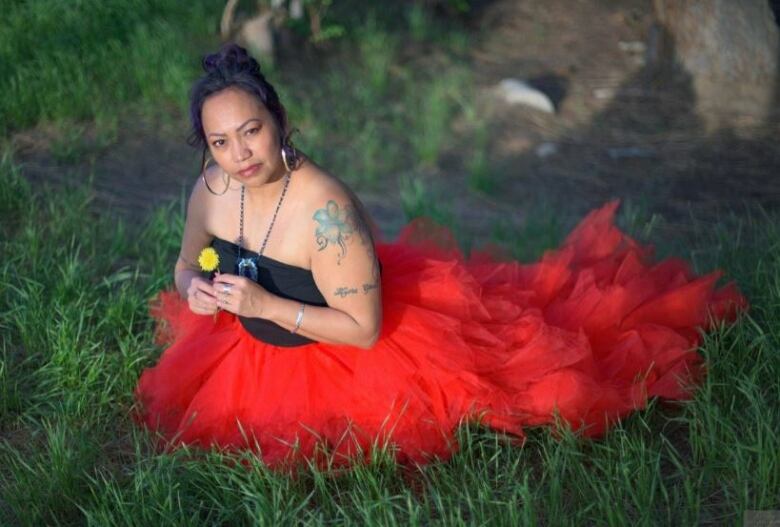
313 343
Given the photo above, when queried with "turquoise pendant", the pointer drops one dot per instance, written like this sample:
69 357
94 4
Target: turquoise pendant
247 268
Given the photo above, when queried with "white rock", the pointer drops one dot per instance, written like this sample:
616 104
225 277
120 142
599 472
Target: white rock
603 93
546 150
515 91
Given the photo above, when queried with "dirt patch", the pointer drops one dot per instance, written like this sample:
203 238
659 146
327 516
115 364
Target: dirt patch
146 165
623 128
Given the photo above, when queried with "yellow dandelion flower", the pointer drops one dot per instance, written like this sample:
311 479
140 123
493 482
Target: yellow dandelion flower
208 259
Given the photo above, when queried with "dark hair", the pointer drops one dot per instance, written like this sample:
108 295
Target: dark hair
230 67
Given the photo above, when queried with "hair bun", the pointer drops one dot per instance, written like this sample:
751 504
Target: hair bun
230 58
232 66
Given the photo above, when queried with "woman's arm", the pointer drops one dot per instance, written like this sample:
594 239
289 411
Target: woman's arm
346 271
323 324
190 284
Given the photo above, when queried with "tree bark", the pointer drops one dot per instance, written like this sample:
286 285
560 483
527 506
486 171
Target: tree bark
730 49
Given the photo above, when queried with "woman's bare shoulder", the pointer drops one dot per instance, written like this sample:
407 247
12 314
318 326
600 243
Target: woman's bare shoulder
216 182
317 185
204 202
326 194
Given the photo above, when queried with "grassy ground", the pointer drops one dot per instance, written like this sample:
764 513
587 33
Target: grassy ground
381 101
64 60
74 283
75 335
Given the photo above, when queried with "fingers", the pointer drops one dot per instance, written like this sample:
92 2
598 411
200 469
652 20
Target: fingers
228 297
201 297
237 294
231 279
202 306
222 289
228 290
205 288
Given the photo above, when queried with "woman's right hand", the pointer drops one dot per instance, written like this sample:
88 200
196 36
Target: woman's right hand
201 296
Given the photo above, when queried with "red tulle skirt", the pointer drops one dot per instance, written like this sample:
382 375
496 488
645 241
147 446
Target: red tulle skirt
582 337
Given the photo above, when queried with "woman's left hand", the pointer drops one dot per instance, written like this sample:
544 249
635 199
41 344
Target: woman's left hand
240 295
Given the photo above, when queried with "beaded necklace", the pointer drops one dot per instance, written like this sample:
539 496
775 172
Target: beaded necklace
247 266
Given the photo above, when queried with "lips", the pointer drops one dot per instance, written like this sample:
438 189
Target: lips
250 170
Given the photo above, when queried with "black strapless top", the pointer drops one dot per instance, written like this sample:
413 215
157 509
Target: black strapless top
279 278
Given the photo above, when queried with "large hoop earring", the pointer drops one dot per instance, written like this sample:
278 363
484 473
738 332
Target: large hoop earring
205 181
292 163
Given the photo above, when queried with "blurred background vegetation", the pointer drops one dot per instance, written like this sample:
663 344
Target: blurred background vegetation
404 101
372 89
401 99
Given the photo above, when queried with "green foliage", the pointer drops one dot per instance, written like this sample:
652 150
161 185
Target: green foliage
460 6
381 105
480 173
431 117
419 22
417 200
50 473
75 60
316 24
75 285
540 230
14 196
75 335
377 51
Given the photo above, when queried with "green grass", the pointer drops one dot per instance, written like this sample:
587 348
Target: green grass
480 173
417 200
75 334
385 103
368 126
385 100
78 60
74 287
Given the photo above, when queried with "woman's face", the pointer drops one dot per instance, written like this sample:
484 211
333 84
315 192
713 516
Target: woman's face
243 136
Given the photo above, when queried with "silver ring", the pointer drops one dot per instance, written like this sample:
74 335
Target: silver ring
226 288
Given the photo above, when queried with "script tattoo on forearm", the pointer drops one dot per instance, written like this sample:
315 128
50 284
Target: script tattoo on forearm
345 291
369 287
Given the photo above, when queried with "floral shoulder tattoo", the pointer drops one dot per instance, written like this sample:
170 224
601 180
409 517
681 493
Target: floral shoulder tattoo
336 226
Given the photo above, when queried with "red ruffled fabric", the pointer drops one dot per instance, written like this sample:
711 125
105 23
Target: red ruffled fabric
588 333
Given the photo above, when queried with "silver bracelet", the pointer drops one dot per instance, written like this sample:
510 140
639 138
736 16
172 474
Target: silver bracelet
298 319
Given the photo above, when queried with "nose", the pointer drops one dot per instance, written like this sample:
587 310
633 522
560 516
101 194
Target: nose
240 151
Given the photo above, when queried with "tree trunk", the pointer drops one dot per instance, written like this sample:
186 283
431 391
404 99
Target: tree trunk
730 48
